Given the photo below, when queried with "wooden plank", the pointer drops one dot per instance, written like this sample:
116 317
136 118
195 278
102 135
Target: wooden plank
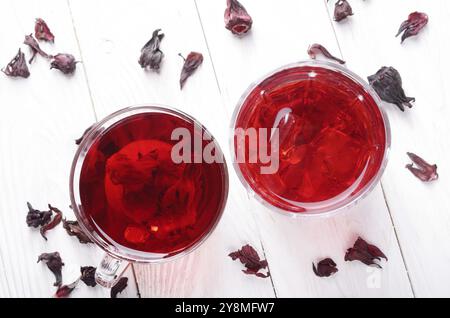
41 117
420 211
281 34
111 43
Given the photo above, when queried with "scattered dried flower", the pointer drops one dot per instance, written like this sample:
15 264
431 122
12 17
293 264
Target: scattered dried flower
151 55
237 19
17 67
35 48
387 82
325 268
53 223
342 10
64 62
36 218
121 284
415 23
54 263
88 275
424 171
79 140
66 290
191 63
365 253
42 31
250 258
315 49
73 229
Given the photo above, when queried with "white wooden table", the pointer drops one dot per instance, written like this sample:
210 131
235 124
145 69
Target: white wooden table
42 115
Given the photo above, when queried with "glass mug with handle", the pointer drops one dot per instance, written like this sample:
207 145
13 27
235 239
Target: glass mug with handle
140 191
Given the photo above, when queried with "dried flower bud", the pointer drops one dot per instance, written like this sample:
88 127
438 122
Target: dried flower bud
191 63
66 63
53 223
251 260
42 31
36 218
415 23
387 82
425 171
342 10
365 253
54 263
66 290
35 48
119 287
325 268
17 67
88 275
73 229
237 19
151 55
315 49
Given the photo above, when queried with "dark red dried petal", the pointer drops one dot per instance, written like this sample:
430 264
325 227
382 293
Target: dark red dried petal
66 290
325 268
191 63
237 19
365 253
425 171
35 48
248 256
121 284
151 55
42 31
315 49
36 218
79 140
17 67
88 275
342 10
73 229
387 82
64 62
54 263
415 23
53 223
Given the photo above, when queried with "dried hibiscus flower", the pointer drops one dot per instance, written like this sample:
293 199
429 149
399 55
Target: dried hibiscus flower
121 284
54 263
53 223
151 55
191 63
237 19
88 275
315 49
342 10
36 218
17 67
415 23
73 229
250 258
79 140
365 253
66 290
64 62
424 170
387 82
42 31
325 268
35 48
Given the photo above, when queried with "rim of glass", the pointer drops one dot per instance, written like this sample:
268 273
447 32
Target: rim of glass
339 206
96 132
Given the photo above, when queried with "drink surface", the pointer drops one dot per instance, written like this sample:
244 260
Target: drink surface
332 137
135 196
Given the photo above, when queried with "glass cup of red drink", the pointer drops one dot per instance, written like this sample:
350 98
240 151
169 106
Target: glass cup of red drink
143 193
309 139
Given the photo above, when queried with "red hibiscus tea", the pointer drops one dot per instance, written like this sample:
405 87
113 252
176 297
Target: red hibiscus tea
136 198
332 138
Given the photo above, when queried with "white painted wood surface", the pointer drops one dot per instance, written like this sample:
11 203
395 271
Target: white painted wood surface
42 115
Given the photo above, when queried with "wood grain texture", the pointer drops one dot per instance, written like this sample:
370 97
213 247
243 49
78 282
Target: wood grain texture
420 211
41 117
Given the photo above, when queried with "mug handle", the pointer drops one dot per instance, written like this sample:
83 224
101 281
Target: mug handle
110 270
